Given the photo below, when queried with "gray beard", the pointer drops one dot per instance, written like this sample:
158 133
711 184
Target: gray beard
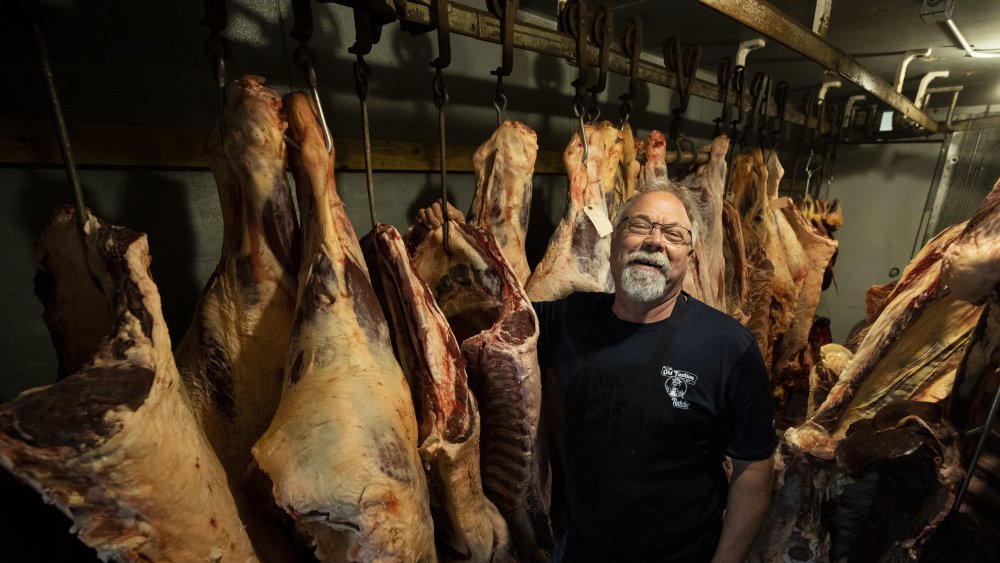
641 284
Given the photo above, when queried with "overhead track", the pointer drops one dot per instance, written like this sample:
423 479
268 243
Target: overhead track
479 24
772 22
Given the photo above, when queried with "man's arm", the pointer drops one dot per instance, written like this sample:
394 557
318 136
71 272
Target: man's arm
749 497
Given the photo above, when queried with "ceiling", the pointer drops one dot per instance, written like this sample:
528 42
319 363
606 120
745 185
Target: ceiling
875 32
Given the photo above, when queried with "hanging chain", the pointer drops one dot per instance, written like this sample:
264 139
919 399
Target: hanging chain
362 77
440 101
593 111
499 100
33 13
632 47
217 50
723 80
624 112
579 112
305 59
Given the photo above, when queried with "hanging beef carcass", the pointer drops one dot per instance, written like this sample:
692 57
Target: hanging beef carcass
795 255
628 173
578 256
827 217
833 358
490 314
748 189
115 446
794 529
232 358
970 268
504 165
341 450
737 271
791 366
911 351
76 314
706 270
971 265
468 525
750 192
654 162
612 178
915 452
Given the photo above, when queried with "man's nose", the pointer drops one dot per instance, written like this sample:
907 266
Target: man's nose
655 240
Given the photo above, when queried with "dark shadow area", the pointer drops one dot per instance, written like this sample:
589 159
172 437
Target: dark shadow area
159 206
151 203
548 201
31 530
426 195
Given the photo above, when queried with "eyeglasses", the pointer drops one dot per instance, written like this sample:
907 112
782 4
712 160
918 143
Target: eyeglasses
672 232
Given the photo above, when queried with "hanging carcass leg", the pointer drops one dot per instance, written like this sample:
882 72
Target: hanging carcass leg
489 313
577 257
232 358
468 525
915 452
115 446
504 166
342 448
707 185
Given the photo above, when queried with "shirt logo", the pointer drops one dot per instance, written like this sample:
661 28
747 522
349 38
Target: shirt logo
676 384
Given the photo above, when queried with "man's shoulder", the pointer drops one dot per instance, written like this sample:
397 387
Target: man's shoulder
714 322
574 301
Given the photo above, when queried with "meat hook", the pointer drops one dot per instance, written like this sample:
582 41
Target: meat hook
602 30
739 76
685 67
759 93
632 46
578 110
780 103
507 14
499 101
305 59
573 19
806 139
440 12
723 79
368 29
33 12
217 50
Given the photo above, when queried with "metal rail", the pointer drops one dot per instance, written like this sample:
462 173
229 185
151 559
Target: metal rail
772 22
987 122
481 25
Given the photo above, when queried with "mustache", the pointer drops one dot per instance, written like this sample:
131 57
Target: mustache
651 258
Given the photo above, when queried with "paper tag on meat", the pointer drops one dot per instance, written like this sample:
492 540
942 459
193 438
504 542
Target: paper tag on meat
599 219
780 202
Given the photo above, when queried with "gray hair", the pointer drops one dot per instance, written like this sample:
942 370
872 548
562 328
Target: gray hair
663 184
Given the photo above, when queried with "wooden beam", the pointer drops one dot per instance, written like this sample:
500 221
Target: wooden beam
764 18
32 142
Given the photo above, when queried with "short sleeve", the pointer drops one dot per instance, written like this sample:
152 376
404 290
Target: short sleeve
749 414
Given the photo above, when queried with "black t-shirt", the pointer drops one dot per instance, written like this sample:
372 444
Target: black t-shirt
714 372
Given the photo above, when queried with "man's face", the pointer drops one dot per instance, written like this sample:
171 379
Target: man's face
647 268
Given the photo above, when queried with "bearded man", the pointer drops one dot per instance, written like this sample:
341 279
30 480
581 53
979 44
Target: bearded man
656 389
